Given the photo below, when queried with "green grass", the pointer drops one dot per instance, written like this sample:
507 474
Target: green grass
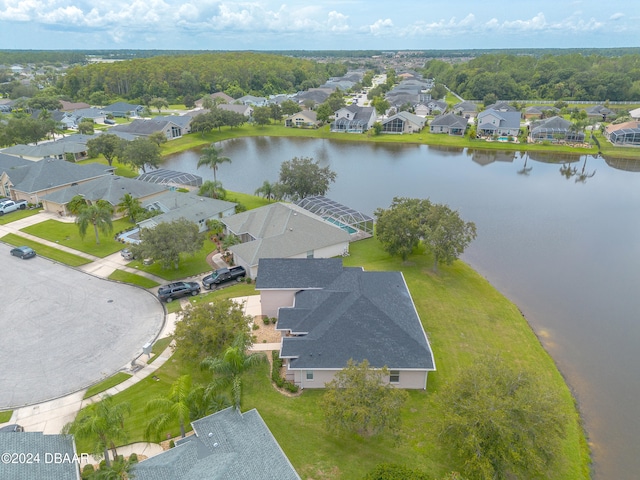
46 251
132 278
106 384
5 416
18 215
465 318
67 234
158 347
249 201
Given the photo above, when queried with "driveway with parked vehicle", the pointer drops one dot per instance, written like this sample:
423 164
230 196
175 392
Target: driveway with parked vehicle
63 329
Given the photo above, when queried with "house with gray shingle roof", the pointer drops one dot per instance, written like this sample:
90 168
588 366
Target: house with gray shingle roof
33 181
143 128
53 457
282 230
246 110
110 188
466 109
226 445
403 122
354 119
124 109
174 205
302 119
538 111
499 122
72 144
449 123
329 314
600 112
555 128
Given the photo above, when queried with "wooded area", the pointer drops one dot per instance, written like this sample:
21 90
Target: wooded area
550 77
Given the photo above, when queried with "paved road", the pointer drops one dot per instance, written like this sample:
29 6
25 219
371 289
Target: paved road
62 330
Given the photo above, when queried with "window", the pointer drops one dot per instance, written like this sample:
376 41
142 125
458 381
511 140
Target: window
394 376
310 254
310 375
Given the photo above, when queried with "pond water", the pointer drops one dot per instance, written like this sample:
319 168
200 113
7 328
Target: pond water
558 235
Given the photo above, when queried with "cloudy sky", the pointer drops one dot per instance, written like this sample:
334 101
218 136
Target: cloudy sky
316 24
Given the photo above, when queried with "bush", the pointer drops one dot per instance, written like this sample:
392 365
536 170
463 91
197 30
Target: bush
255 326
266 320
172 444
133 458
248 280
291 387
87 471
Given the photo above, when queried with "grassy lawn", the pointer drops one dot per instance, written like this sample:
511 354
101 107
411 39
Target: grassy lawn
189 265
159 347
465 318
67 234
132 278
18 215
249 201
106 384
46 251
5 416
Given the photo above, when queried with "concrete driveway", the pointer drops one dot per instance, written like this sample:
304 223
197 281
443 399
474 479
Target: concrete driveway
62 330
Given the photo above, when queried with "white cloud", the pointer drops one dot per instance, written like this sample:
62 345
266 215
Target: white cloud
616 16
381 27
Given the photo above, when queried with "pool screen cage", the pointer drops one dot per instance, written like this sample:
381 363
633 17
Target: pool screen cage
171 178
330 210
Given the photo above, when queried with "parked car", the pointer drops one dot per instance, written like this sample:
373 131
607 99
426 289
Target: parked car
23 252
7 206
178 289
12 428
127 254
223 275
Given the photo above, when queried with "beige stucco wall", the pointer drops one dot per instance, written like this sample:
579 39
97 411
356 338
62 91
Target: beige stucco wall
271 300
409 379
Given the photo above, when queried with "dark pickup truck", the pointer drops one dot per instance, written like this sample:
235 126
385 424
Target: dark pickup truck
223 275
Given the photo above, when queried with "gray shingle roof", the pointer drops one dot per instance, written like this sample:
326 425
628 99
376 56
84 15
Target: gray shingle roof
281 230
360 315
48 173
296 273
176 205
449 120
43 445
226 445
110 188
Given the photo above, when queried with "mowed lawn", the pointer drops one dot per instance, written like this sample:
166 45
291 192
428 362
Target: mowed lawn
466 320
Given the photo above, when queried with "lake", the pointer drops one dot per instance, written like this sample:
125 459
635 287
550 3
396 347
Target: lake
561 240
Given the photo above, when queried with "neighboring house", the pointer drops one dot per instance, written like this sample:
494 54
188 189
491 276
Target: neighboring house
315 95
252 100
554 129
537 111
33 181
635 113
73 106
403 122
282 230
499 122
110 188
39 456
627 133
502 107
216 97
329 314
434 106
90 113
466 109
75 145
302 119
123 109
246 110
354 119
226 445
184 121
600 112
448 123
144 128
197 209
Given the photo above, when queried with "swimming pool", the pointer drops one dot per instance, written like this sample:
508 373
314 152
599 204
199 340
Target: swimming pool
346 228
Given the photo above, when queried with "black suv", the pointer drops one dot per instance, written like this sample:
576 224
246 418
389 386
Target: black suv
177 290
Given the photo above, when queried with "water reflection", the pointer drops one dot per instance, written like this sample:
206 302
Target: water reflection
486 157
525 170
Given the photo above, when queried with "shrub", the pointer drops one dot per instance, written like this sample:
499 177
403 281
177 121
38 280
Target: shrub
133 458
172 444
248 280
291 387
255 326
266 320
87 471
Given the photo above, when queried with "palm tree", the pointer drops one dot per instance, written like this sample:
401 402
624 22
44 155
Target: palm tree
266 190
230 368
130 206
184 402
97 214
102 424
172 407
211 158
212 190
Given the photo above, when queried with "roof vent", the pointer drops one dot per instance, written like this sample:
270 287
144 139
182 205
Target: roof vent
210 434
